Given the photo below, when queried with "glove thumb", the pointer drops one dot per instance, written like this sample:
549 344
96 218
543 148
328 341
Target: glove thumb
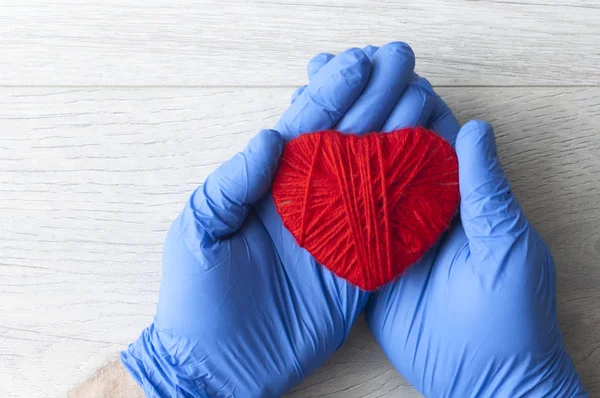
491 216
221 204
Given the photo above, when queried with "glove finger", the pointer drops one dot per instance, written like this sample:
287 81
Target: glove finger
394 308
370 50
220 205
297 93
313 67
491 216
328 96
320 60
434 113
442 120
393 66
420 105
413 109
317 63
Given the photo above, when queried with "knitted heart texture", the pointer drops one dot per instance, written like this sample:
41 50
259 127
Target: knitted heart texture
367 206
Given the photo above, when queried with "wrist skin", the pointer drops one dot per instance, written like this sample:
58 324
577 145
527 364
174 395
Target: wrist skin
110 381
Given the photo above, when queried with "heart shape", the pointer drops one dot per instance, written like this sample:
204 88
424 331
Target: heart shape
367 206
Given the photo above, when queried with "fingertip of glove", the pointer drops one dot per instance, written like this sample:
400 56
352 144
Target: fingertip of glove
317 62
322 57
355 56
269 134
476 130
477 125
349 70
476 137
370 50
297 93
399 49
272 140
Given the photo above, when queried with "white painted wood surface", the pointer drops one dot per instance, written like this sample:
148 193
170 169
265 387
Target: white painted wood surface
112 112
91 178
267 42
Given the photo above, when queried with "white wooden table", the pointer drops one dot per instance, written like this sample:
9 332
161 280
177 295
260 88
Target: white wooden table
111 113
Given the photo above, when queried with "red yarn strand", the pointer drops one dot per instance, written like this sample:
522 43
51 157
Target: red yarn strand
307 188
386 219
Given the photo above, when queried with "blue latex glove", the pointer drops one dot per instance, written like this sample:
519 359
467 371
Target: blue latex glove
476 317
243 310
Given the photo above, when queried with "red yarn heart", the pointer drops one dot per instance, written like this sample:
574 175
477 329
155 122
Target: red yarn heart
366 207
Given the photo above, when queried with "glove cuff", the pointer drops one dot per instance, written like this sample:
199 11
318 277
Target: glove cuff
153 368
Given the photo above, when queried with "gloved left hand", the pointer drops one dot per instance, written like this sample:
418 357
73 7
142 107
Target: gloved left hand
243 310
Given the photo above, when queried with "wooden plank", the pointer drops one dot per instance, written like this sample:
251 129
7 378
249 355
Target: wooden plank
91 178
268 42
591 4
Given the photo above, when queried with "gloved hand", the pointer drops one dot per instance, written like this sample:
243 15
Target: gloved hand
476 317
244 311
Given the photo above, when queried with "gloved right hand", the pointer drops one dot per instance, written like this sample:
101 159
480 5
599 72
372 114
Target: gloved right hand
476 317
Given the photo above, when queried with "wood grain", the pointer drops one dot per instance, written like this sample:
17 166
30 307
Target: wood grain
268 42
91 178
